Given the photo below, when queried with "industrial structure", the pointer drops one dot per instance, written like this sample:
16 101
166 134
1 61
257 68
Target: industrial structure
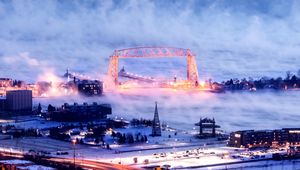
156 128
153 52
265 138
207 127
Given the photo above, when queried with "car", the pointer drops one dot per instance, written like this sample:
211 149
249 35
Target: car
62 153
166 166
163 155
146 161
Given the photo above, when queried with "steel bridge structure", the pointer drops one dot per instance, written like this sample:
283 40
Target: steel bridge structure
151 52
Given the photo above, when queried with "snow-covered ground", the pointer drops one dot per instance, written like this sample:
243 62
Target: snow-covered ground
177 148
26 122
161 151
23 164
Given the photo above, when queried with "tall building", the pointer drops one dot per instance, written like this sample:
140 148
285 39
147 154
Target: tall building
19 100
156 129
2 103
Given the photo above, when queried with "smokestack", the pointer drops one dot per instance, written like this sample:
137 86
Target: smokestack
68 77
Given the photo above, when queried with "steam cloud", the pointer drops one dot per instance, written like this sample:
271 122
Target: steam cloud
231 39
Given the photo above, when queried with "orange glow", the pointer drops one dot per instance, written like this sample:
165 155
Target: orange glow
47 85
202 83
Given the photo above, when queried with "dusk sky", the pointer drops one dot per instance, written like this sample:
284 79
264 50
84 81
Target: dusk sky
230 38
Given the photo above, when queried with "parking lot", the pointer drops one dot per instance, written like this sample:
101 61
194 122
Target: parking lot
38 144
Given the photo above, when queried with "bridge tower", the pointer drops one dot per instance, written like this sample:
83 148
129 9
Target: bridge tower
113 71
192 71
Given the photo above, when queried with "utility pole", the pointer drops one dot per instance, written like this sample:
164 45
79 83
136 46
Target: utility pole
74 153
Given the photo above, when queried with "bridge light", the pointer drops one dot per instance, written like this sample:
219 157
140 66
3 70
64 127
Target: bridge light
202 83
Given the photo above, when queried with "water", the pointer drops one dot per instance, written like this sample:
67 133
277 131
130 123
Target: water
231 39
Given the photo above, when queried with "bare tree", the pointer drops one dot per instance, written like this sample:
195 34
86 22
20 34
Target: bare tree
288 75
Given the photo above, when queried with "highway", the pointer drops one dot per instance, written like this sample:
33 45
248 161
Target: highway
93 164
87 164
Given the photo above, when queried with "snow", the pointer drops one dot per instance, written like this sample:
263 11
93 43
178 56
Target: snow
26 122
15 161
159 154
36 167
181 150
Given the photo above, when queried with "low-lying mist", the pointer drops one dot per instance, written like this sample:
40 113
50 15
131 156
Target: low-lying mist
181 109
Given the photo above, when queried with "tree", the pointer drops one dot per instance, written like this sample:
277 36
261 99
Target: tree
288 75
142 139
130 138
97 140
98 132
51 108
113 134
39 109
122 138
293 80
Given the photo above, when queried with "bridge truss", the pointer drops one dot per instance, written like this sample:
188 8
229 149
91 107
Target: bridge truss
153 52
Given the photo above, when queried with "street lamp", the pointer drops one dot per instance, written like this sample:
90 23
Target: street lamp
74 154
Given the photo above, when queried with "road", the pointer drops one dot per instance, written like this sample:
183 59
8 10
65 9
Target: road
94 165
82 163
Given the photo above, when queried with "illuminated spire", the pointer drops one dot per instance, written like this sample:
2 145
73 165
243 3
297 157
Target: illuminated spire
156 129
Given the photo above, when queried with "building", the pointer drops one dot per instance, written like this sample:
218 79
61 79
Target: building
19 100
2 103
89 87
6 82
207 127
265 138
82 112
